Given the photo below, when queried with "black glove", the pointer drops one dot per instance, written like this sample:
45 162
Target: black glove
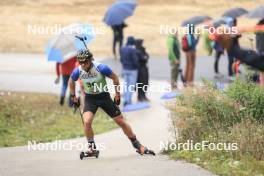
117 99
75 101
77 104
117 102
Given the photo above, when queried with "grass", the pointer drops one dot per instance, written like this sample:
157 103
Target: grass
234 115
221 163
30 116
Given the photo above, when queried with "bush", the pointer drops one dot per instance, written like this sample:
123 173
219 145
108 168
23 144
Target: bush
249 136
204 111
250 96
232 116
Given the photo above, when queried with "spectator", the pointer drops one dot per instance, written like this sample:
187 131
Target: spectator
174 58
231 22
64 70
189 43
143 73
118 37
129 61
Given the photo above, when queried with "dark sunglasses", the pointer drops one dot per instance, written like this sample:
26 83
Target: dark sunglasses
84 62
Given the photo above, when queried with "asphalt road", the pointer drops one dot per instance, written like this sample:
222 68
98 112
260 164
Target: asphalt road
31 73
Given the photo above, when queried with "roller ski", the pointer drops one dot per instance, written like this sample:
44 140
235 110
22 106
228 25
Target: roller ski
145 151
89 154
140 149
92 152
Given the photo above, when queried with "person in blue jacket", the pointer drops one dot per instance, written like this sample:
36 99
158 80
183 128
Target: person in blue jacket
130 63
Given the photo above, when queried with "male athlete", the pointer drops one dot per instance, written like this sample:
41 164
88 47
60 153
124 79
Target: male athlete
93 76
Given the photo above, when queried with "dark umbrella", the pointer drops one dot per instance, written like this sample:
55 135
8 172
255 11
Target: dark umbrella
235 12
257 12
218 22
196 20
118 12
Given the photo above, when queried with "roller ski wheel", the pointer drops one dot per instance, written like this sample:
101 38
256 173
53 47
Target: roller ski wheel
89 154
144 150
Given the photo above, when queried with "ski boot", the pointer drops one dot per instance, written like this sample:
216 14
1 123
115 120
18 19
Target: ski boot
144 150
140 148
90 153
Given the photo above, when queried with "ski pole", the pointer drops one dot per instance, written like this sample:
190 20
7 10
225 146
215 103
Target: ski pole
78 105
81 115
82 39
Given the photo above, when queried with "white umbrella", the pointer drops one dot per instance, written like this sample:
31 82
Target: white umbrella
69 41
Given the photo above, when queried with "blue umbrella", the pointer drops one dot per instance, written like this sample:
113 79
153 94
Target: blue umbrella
118 12
69 41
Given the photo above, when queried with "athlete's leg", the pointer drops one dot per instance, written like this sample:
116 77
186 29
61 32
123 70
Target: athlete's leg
113 111
120 121
89 110
88 120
